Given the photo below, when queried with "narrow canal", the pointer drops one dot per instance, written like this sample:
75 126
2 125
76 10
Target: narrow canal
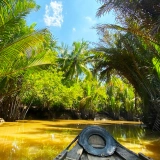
43 140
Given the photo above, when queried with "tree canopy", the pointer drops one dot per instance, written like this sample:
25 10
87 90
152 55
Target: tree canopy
132 49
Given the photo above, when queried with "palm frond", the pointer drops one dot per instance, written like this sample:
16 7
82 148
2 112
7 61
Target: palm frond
11 14
19 54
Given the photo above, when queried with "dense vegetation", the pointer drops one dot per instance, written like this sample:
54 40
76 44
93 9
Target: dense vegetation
119 77
135 44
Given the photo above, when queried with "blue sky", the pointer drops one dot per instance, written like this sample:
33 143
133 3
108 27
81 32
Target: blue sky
69 20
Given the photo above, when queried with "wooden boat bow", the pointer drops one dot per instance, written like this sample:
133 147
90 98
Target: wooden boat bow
95 143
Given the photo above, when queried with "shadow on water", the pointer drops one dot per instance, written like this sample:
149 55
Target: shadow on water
27 140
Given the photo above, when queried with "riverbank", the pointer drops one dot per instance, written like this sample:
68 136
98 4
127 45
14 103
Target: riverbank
64 114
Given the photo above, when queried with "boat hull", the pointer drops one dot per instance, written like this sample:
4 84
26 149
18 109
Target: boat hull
95 143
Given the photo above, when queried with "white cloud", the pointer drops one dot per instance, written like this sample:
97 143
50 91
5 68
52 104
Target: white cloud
74 29
53 14
90 20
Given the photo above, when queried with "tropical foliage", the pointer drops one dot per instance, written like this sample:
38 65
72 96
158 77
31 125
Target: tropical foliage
94 98
133 50
119 77
144 13
122 101
46 87
74 62
21 48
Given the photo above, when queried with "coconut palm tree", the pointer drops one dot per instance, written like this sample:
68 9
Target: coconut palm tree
74 62
21 48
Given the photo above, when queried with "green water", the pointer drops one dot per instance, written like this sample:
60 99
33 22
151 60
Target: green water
43 140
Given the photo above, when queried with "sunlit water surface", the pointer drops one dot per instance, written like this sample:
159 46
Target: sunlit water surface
43 140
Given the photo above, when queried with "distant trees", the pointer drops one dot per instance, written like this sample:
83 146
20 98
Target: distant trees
122 101
46 87
70 86
74 62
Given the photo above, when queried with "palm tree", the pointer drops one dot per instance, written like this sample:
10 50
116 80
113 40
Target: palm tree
21 48
130 57
136 53
74 62
145 13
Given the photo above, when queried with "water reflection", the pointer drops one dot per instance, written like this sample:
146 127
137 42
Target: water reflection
38 140
137 139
